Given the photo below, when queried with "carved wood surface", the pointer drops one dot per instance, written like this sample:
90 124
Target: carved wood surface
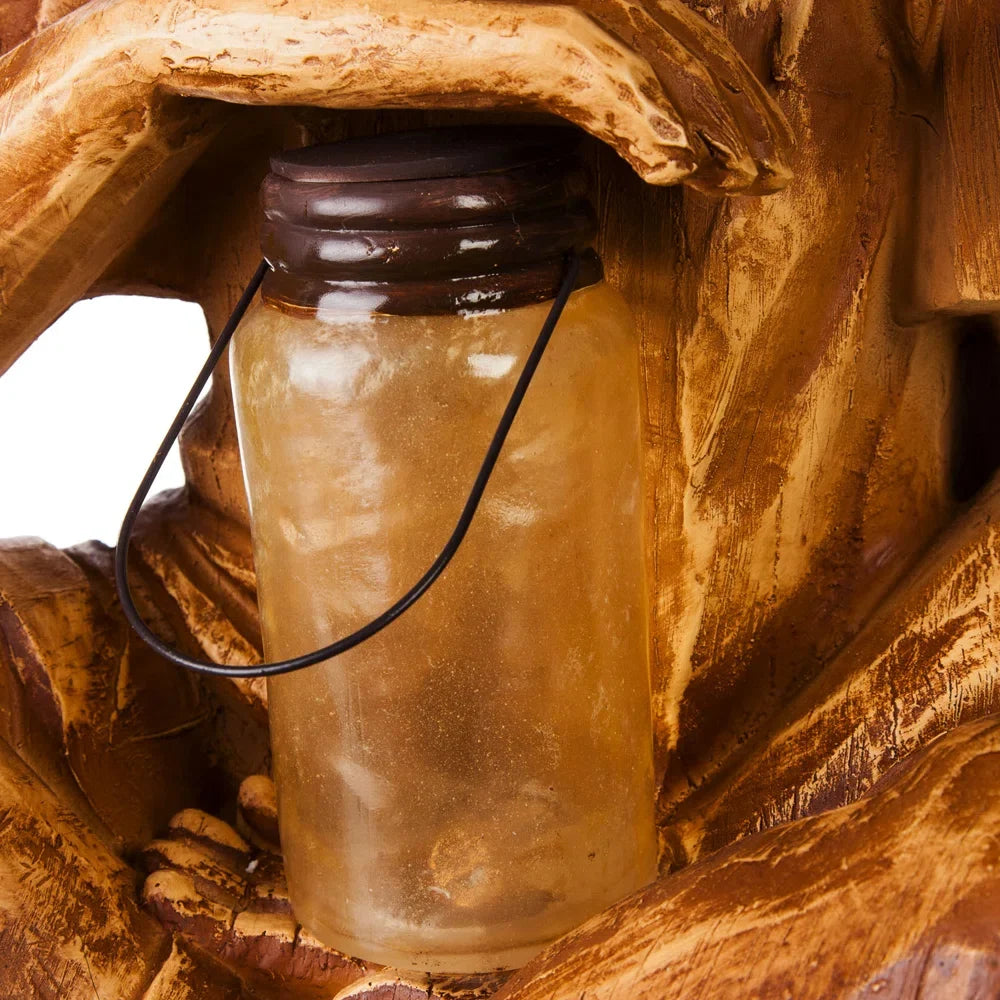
89 132
958 251
893 897
72 928
71 665
926 662
821 605
230 900
798 432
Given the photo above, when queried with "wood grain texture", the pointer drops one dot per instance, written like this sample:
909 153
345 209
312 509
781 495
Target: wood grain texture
892 897
130 732
958 262
798 435
926 662
70 924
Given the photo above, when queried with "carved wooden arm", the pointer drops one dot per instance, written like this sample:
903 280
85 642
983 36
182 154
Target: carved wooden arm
807 910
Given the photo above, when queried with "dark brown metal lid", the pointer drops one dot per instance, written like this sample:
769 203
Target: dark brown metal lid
410 212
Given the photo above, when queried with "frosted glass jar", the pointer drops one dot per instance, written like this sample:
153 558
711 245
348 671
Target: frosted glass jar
476 779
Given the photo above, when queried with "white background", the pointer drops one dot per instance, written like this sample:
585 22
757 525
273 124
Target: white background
83 410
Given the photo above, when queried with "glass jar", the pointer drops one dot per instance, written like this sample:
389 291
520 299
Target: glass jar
476 779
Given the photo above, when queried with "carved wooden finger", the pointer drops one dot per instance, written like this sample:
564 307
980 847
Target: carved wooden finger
420 54
548 57
926 662
258 812
725 107
208 851
892 897
207 885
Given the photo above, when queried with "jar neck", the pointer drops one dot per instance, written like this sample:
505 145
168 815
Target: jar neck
427 296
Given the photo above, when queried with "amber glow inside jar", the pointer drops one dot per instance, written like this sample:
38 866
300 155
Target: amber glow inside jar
476 779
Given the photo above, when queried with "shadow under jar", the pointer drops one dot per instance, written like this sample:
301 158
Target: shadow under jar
476 779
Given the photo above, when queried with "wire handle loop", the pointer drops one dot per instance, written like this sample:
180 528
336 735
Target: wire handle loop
436 568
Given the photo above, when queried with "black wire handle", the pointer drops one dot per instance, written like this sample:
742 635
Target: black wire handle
417 590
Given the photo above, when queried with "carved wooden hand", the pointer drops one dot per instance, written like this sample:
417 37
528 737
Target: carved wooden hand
228 897
105 109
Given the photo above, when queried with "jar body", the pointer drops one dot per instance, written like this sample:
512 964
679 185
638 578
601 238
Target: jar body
476 779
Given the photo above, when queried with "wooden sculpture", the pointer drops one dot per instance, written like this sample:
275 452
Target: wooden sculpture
819 375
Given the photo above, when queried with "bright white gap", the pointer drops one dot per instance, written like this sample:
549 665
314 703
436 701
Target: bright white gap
83 410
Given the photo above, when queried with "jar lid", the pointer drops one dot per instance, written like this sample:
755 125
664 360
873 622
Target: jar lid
428 212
